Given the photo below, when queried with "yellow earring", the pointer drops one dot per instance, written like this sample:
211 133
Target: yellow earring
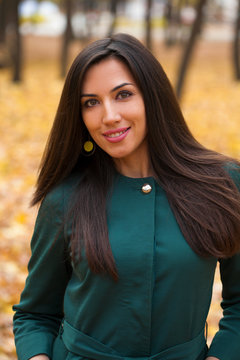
88 147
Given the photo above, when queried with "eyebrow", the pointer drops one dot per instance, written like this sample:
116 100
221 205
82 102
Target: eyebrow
114 89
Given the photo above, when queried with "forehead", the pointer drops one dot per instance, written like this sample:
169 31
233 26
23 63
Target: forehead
106 74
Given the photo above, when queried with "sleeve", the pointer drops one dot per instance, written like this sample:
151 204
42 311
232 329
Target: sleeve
38 315
226 343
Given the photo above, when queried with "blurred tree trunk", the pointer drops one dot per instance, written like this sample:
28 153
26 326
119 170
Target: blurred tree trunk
168 14
236 45
190 46
113 9
173 21
179 7
3 17
148 24
67 36
16 44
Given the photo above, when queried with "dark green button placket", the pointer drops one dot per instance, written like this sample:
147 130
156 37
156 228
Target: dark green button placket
149 200
133 249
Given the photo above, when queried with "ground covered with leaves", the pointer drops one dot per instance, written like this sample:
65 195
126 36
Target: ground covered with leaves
210 105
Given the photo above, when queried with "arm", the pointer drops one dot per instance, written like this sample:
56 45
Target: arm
40 357
40 311
226 343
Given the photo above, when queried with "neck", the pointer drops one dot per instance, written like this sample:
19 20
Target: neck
134 166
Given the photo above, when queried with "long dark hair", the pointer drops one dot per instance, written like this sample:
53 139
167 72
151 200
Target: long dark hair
202 195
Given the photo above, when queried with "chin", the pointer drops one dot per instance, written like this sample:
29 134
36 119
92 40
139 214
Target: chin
118 156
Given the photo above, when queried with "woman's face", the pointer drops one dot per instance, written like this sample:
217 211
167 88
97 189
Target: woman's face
113 110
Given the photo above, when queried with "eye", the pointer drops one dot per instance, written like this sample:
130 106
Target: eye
123 94
90 103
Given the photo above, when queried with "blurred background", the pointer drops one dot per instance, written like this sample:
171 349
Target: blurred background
196 41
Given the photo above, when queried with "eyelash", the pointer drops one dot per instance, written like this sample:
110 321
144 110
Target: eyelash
122 92
86 103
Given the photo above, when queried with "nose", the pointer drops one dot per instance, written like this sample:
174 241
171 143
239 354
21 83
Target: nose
110 113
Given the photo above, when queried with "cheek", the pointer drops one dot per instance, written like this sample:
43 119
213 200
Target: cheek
138 112
90 121
142 122
95 136
93 129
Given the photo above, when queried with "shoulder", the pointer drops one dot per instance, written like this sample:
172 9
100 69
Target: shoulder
58 198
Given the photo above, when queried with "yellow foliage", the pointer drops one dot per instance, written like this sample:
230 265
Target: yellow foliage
21 218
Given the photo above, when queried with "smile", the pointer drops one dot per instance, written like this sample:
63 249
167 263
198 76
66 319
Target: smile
117 135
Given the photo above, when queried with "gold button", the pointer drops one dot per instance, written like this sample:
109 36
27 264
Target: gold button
146 188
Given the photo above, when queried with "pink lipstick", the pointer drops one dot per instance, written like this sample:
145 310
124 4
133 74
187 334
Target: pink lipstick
116 135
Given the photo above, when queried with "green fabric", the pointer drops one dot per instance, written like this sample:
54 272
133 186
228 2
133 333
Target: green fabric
162 297
79 343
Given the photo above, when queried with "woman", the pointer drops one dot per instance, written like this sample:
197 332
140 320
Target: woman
134 216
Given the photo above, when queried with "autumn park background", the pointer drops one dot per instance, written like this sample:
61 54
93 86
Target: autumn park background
197 43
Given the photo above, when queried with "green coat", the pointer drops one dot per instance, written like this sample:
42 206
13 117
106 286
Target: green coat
158 308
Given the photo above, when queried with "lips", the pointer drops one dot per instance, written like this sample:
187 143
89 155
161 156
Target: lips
116 135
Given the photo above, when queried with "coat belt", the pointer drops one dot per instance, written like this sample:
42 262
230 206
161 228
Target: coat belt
82 346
